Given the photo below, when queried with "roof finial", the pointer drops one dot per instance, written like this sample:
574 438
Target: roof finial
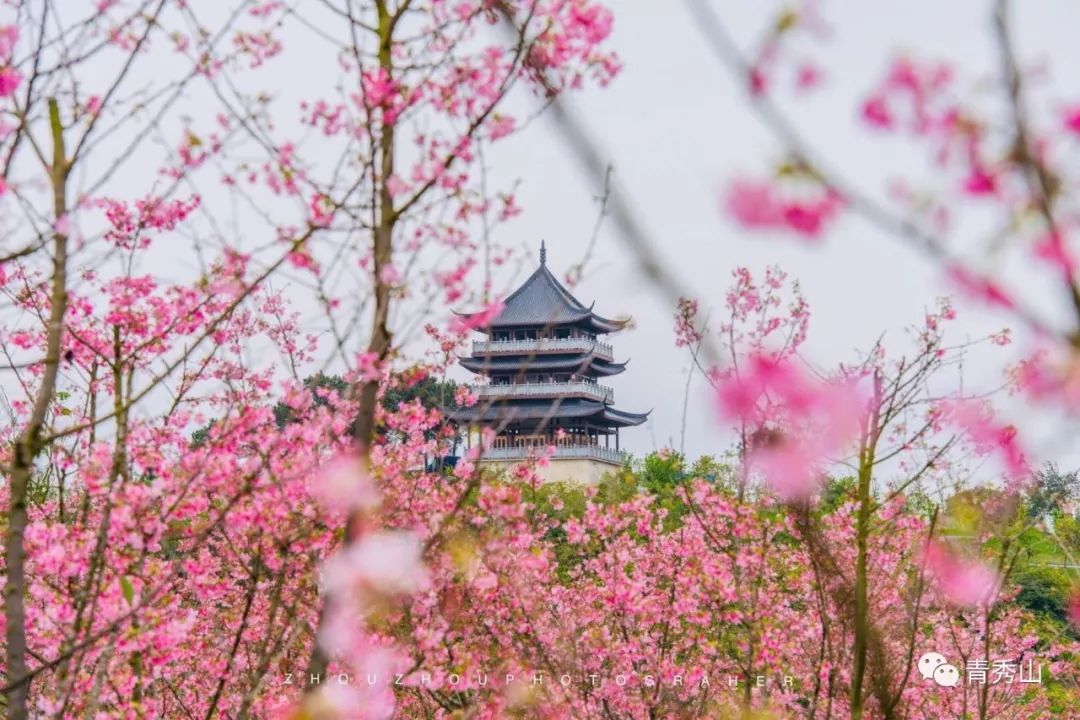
543 253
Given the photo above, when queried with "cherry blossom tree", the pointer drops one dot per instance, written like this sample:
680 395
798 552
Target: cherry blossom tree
192 530
135 556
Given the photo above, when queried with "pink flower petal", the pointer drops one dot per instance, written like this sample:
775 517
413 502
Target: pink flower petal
964 582
344 485
1074 607
754 204
388 562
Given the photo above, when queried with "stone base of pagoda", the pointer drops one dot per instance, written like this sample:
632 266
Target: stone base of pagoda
576 471
580 464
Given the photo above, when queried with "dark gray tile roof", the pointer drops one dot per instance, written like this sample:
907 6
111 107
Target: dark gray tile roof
543 301
524 363
532 410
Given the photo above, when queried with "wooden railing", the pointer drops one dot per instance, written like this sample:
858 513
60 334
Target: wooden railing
546 389
543 345
521 452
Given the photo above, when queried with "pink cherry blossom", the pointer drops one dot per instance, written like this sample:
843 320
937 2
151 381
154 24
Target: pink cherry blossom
9 81
759 205
980 182
687 334
1074 607
388 562
9 35
754 204
964 582
344 485
989 435
800 421
1072 120
809 218
979 287
593 20
477 321
1053 249
501 126
808 77
875 111
791 465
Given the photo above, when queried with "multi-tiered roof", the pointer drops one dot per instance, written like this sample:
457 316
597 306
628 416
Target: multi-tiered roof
539 368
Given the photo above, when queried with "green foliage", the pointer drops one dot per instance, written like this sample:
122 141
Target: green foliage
661 471
1053 492
430 391
559 502
664 474
1067 529
836 492
661 475
1060 695
710 469
1044 575
321 386
617 487
1044 590
200 436
920 503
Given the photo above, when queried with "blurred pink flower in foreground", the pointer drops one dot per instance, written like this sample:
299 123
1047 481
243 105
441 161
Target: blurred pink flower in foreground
1072 119
759 205
476 321
1074 607
964 582
9 35
797 420
344 485
791 466
991 436
754 204
358 700
388 562
10 78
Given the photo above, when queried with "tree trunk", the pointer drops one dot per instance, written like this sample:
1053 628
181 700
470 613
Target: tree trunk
29 444
867 448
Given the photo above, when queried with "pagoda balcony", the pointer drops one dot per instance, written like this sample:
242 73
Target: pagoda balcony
577 388
543 345
524 452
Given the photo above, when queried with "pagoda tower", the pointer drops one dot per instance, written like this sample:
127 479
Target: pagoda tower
538 383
